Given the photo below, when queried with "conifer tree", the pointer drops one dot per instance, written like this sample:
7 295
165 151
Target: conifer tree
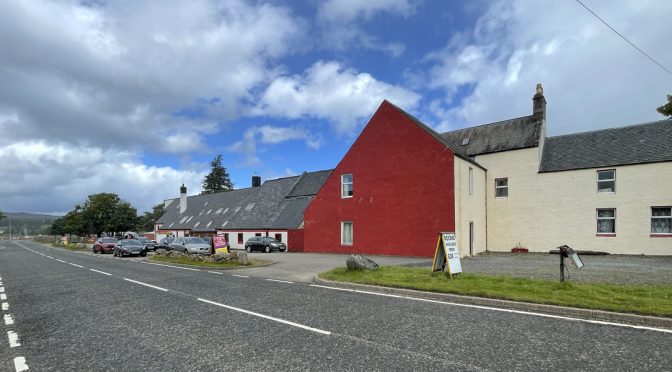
218 179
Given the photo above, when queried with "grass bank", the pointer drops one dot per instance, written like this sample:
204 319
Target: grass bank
637 299
187 261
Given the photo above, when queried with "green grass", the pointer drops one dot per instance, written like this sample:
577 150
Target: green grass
188 261
638 299
72 247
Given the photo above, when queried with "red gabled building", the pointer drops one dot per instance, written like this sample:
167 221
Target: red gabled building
391 194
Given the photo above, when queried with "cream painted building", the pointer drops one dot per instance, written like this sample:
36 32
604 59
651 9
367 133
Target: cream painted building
608 190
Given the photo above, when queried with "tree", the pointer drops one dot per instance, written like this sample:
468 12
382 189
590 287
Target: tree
147 220
106 212
218 179
666 109
2 215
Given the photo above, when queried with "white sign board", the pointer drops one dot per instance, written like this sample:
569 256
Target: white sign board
452 253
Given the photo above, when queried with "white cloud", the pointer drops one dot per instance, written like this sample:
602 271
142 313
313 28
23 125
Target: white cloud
270 135
329 91
592 78
349 10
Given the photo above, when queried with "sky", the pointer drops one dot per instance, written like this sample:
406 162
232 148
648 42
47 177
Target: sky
137 97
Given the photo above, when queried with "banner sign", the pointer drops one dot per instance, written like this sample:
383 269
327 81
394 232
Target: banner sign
447 252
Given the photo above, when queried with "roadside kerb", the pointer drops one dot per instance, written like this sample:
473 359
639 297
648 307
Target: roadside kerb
589 314
147 260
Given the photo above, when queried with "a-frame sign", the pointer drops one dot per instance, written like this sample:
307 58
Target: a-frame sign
447 255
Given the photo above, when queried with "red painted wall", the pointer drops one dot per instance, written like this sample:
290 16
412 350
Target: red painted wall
403 192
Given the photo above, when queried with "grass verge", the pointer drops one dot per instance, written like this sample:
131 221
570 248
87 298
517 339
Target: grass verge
637 299
72 247
190 262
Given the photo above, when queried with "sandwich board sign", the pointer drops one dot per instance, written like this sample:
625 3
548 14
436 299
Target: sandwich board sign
447 255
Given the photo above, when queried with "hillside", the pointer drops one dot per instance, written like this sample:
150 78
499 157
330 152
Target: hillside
26 223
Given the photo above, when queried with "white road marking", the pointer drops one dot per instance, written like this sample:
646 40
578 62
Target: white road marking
75 264
174 267
215 272
279 281
240 276
266 317
49 257
100 272
60 260
499 309
8 319
2 289
5 306
13 339
3 296
20 364
147 285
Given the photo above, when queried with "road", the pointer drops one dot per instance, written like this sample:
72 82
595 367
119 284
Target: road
68 311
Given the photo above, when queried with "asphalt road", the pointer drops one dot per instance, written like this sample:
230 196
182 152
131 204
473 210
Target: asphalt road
68 311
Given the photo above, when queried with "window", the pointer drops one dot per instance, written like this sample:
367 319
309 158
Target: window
240 238
278 237
346 233
501 187
606 222
257 234
606 180
661 220
346 186
471 181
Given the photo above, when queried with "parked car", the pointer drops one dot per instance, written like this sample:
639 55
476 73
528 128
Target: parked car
149 245
191 245
129 247
165 243
104 245
265 244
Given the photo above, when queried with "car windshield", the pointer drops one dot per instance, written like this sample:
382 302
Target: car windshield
108 240
143 239
272 240
130 242
194 241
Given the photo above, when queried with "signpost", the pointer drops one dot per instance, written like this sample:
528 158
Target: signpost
220 244
447 254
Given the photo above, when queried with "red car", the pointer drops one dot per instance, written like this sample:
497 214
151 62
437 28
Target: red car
104 245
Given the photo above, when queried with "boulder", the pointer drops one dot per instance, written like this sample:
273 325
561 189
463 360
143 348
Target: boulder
242 258
209 259
222 257
359 262
160 252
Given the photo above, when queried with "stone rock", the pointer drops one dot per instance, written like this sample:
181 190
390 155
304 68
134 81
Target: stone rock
234 255
218 257
160 252
209 259
242 258
197 257
359 262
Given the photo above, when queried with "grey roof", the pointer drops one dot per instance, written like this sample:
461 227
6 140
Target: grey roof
635 144
512 134
267 206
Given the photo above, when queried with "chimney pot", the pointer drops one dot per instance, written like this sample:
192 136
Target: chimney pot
256 181
539 103
183 199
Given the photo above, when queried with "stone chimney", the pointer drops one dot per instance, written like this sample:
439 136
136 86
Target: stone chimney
183 198
256 181
539 104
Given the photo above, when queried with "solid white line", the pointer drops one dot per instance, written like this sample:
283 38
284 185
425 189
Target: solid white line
147 285
49 257
20 364
279 281
174 267
240 276
500 309
5 306
215 272
13 339
60 260
8 319
3 296
101 272
266 317
75 264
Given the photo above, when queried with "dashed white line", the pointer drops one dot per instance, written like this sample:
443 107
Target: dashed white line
20 364
497 309
279 281
215 272
267 317
3 296
70 263
147 285
100 272
174 267
5 306
49 257
8 319
2 289
60 260
13 339
240 276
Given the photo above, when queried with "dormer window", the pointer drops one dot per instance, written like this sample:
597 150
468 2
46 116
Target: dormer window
346 185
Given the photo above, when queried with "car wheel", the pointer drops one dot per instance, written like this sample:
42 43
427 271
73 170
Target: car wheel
282 250
248 249
143 254
268 249
94 251
114 253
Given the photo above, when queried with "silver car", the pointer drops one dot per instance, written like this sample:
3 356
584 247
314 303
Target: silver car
191 245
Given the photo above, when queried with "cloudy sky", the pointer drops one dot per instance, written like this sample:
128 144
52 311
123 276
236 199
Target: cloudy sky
136 97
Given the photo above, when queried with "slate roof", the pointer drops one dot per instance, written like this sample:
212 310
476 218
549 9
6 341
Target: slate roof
512 134
635 144
275 204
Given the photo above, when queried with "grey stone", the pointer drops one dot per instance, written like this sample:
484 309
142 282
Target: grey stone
222 257
242 258
160 252
359 262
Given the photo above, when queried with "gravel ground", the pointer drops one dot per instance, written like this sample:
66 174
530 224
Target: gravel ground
619 269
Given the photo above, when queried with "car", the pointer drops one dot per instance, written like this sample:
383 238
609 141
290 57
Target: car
104 245
265 244
165 243
191 245
150 245
129 247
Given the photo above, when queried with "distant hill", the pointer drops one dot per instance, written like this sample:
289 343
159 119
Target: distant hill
26 223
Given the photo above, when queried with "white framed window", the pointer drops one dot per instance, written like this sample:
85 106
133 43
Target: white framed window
606 221
661 220
606 180
471 181
501 187
346 233
346 185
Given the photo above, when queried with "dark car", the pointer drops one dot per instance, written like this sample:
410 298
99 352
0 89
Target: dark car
165 243
265 244
129 247
104 245
150 245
